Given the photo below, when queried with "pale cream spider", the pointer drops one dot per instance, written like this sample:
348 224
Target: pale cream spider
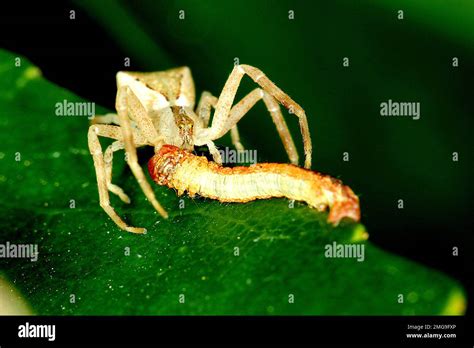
157 108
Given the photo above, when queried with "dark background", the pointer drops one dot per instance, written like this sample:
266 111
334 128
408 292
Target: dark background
402 60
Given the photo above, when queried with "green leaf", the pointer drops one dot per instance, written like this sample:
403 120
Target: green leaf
46 166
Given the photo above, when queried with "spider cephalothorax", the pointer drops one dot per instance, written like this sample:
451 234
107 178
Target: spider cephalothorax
158 108
185 126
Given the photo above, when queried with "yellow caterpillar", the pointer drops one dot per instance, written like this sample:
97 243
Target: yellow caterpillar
183 171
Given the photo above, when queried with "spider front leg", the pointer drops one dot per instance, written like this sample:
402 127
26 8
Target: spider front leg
115 146
127 102
100 167
220 122
108 158
109 154
203 110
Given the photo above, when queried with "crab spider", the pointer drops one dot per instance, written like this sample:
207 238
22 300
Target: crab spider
158 108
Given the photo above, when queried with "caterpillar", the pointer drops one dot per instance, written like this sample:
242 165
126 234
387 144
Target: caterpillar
186 172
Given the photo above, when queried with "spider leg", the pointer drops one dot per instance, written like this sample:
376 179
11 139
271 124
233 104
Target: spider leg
203 111
216 155
223 107
100 167
127 102
281 126
108 158
235 137
108 154
112 119
105 119
241 108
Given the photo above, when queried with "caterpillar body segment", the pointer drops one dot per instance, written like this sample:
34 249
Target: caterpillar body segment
185 172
